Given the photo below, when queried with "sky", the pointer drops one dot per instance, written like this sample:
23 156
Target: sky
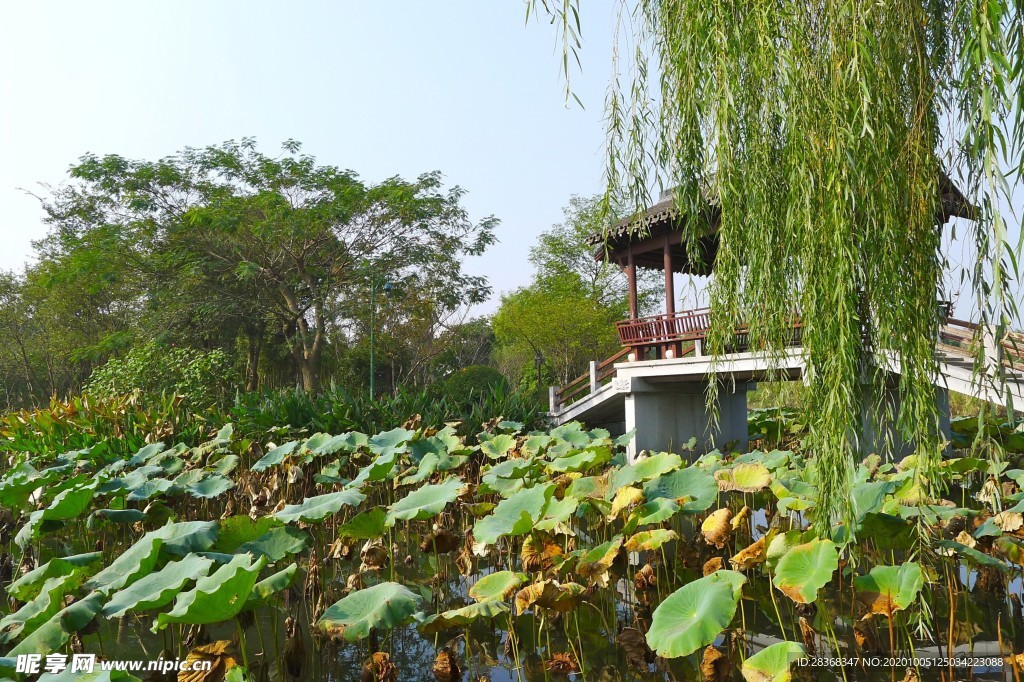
396 87
400 87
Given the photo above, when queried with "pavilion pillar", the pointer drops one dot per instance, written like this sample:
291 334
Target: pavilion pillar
631 276
671 349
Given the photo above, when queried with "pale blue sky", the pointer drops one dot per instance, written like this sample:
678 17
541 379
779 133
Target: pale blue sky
383 88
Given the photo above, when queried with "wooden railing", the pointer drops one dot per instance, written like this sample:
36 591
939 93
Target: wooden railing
685 325
684 333
585 384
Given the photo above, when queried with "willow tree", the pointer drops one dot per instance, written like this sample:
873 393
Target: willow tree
825 135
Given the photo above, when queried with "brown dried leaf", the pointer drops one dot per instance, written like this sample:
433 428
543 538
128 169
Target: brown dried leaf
715 665
374 556
539 553
441 541
563 663
1009 521
750 556
809 635
379 668
223 656
446 665
634 645
645 578
713 564
716 527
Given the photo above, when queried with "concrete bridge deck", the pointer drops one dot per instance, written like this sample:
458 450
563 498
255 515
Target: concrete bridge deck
664 399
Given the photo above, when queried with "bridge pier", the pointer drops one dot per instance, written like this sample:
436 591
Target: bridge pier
885 439
665 416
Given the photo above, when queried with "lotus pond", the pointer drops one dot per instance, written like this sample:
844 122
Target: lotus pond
423 554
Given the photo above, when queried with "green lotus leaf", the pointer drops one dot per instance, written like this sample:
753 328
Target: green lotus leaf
264 590
464 616
645 469
655 511
556 513
516 468
382 606
32 614
319 507
594 564
186 537
27 586
135 562
749 477
390 443
105 676
694 489
119 515
237 530
498 446
159 588
275 456
514 516
694 615
55 633
151 488
650 539
365 525
210 486
425 503
888 589
425 468
772 663
805 569
277 543
225 465
980 558
499 586
581 461
216 597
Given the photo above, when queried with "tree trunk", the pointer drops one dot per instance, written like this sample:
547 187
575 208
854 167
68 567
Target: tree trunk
252 381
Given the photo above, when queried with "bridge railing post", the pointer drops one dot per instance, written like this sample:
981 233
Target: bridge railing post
552 400
593 376
992 349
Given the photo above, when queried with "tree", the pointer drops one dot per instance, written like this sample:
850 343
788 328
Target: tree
565 249
265 244
825 136
557 319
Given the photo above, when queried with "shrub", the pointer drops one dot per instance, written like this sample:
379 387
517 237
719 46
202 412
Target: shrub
469 384
202 378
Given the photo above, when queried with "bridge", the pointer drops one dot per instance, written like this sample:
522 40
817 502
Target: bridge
656 385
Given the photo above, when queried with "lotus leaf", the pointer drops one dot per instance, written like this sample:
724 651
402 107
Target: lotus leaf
650 539
694 489
365 525
593 565
55 633
692 617
514 516
275 456
216 597
135 562
382 606
549 594
772 663
159 588
264 590
745 478
497 586
498 446
466 615
805 569
425 503
27 586
319 507
888 589
277 543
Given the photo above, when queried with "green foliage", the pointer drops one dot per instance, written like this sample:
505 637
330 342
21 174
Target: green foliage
467 386
202 378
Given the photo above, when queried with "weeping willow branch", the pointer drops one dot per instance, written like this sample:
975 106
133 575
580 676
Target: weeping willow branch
821 133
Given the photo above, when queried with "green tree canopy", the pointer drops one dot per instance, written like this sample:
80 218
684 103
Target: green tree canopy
233 241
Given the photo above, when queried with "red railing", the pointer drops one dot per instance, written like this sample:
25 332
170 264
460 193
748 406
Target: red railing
685 325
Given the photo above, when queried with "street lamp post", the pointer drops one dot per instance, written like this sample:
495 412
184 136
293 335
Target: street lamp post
373 323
